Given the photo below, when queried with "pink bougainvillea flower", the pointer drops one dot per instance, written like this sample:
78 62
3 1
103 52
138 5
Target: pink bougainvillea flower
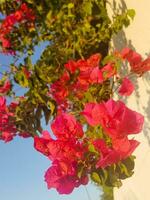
84 76
65 126
116 119
126 88
119 120
108 156
5 43
142 67
145 66
89 70
124 146
91 62
108 70
59 89
94 60
21 15
6 87
93 112
7 126
7 136
18 15
79 88
60 149
137 65
2 102
59 92
132 57
96 76
62 176
121 149
83 66
71 66
41 143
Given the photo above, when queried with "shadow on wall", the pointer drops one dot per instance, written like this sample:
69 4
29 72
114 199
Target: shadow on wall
119 42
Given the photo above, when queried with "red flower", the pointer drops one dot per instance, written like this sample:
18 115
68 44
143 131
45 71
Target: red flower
92 113
116 119
24 7
119 121
108 156
96 76
60 149
121 149
60 90
22 14
132 57
137 65
63 177
65 126
5 43
6 87
124 146
142 67
18 15
79 88
41 144
108 71
94 60
7 126
71 66
126 87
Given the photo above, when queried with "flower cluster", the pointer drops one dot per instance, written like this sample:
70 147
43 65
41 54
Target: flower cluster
135 60
22 15
7 125
70 151
91 137
65 152
78 76
118 122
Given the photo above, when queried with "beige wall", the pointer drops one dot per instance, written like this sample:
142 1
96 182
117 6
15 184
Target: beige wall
137 36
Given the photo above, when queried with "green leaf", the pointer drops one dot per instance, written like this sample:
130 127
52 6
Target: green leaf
131 13
95 177
70 5
87 7
51 106
92 148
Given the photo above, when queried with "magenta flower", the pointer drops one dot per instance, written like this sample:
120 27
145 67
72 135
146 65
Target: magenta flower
63 177
126 88
65 126
93 112
121 149
116 119
5 87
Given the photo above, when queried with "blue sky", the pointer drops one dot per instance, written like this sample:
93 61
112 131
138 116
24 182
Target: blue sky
22 168
22 175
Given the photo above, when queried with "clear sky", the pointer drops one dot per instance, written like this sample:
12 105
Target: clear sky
22 168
